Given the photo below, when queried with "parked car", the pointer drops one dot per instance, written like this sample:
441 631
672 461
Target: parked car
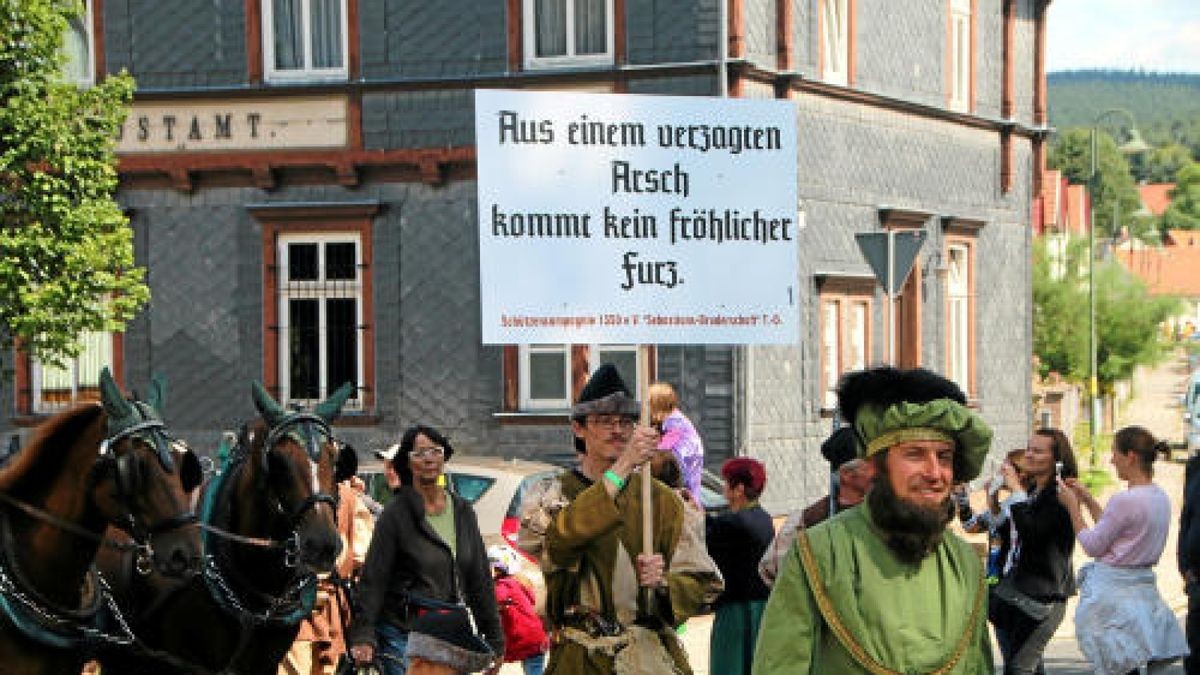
494 486
1191 411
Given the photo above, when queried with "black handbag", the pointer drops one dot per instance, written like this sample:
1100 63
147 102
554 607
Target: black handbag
1006 592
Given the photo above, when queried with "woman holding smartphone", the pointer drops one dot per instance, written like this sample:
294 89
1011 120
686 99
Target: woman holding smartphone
1122 622
1037 576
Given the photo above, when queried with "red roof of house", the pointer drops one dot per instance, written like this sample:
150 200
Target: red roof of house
1172 270
1155 197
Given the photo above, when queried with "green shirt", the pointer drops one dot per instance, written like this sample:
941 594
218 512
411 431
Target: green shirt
443 524
908 618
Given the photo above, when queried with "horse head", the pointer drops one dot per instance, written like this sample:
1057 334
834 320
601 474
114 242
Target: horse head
137 480
297 461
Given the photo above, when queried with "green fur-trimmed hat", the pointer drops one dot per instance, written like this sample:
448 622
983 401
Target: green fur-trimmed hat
886 406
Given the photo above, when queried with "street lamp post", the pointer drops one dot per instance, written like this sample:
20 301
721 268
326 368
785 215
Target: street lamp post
1134 145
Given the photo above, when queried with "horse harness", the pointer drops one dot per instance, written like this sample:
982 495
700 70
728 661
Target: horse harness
228 588
99 623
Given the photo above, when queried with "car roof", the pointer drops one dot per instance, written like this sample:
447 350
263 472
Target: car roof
491 464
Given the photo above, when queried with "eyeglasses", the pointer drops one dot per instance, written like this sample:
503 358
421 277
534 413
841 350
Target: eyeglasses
611 422
436 451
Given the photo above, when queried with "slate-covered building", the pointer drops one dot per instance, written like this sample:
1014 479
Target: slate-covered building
300 177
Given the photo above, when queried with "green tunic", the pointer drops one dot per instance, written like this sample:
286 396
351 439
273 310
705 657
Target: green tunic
589 546
908 618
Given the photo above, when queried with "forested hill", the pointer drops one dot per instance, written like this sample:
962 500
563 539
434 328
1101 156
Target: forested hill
1165 105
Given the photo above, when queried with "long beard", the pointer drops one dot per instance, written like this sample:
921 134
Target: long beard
910 530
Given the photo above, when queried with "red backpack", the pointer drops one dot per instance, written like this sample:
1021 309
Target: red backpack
524 635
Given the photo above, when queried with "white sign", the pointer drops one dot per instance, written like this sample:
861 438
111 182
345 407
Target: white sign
615 218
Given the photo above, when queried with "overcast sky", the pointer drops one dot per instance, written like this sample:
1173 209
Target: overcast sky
1158 35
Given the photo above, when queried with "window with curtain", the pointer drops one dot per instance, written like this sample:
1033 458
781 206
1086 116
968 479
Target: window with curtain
304 39
80 63
958 316
835 41
567 32
58 387
960 54
320 316
844 332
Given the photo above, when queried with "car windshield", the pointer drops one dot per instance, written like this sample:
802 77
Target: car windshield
469 486
514 506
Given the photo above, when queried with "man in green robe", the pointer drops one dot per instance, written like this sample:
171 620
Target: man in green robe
586 527
884 587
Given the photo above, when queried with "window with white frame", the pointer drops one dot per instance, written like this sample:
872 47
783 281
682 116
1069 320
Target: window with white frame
844 330
960 54
567 32
58 387
958 315
304 39
544 377
320 316
835 41
79 64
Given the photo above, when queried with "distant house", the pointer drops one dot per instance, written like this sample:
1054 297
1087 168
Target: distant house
1156 197
1061 208
1172 269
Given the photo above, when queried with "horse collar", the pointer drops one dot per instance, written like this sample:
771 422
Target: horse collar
39 619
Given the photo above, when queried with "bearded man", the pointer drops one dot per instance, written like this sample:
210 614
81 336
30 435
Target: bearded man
883 587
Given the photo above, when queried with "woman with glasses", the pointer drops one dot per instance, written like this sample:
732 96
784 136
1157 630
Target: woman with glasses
426 554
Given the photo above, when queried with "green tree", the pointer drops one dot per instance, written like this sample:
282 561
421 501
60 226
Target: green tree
1071 153
1128 321
1163 163
1127 316
1060 308
1184 211
66 250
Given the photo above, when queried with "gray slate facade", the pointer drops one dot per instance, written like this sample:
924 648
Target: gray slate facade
884 142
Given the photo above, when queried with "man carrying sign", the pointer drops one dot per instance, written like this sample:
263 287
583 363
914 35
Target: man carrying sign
586 527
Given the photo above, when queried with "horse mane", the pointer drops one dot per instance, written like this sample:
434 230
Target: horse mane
58 433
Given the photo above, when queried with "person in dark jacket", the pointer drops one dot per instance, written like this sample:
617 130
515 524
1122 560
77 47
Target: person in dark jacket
736 541
1031 599
426 550
1189 559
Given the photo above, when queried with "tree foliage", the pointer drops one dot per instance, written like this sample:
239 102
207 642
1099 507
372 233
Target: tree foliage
1184 211
1072 154
1127 316
1166 106
66 250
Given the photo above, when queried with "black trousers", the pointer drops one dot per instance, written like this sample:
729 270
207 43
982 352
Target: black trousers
1191 664
1026 638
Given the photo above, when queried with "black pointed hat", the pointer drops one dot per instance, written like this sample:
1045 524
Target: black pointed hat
605 393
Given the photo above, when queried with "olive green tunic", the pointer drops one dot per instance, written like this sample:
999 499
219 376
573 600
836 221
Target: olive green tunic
589 543
907 618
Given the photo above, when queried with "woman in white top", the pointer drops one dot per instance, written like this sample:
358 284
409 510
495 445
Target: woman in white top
1121 622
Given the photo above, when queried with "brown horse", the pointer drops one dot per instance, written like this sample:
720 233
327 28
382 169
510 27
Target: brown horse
268 516
85 468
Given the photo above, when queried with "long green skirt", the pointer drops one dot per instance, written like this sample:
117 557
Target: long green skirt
734 632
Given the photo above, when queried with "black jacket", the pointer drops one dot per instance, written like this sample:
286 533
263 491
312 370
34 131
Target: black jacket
1189 519
1047 540
408 557
736 542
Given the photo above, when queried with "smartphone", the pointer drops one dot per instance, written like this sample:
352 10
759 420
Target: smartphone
1058 470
